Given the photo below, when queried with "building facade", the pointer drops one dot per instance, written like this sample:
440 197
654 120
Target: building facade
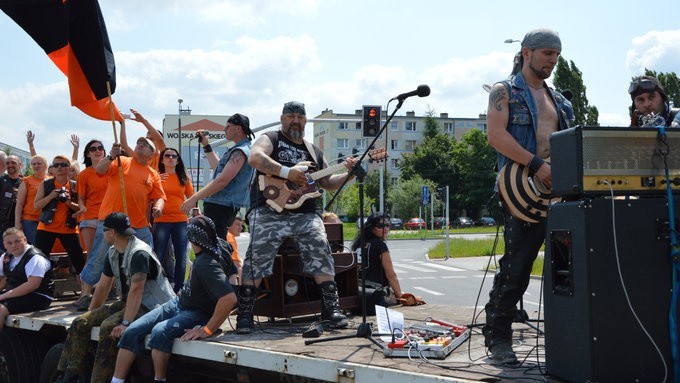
339 134
24 156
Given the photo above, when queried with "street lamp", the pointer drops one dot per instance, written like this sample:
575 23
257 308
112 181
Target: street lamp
179 127
510 41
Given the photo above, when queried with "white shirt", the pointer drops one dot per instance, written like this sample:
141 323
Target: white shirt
35 267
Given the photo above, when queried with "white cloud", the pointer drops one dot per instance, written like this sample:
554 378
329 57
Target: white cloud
655 50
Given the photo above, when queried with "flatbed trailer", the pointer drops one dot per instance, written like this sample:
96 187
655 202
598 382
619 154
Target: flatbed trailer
31 344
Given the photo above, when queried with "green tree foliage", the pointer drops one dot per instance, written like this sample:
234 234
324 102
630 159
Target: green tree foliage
568 76
474 159
671 84
372 187
348 202
406 196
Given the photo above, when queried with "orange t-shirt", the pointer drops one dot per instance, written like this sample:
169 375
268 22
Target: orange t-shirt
232 240
29 213
175 194
153 163
142 184
92 187
58 224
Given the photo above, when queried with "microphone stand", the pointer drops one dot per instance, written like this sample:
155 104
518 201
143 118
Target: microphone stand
198 165
365 329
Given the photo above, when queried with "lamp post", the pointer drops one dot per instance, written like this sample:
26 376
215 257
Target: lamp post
179 127
510 41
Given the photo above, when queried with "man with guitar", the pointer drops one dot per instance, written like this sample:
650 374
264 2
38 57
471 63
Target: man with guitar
522 114
285 154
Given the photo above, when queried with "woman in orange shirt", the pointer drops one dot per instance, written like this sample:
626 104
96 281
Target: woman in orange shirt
26 216
91 188
54 201
172 224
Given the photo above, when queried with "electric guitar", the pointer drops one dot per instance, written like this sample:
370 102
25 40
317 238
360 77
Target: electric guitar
525 196
283 194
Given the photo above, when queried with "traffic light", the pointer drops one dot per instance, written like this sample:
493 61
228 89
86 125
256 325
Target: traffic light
371 121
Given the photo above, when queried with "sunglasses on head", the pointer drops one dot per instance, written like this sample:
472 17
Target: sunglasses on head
61 165
93 148
646 85
170 155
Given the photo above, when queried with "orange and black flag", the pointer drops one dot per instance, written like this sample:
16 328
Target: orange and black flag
73 34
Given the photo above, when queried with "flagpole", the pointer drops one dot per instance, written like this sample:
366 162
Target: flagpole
115 139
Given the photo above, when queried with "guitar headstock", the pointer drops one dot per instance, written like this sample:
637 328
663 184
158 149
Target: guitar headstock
378 154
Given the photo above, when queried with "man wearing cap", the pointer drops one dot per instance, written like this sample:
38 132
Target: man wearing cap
227 192
282 154
142 287
650 104
142 186
199 310
522 114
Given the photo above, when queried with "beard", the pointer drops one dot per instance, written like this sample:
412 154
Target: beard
295 134
541 73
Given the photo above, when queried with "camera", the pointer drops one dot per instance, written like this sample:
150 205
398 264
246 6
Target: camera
63 194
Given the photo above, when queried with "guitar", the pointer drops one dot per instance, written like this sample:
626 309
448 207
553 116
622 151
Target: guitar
283 194
525 196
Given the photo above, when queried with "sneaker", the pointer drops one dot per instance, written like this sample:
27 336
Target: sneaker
83 303
502 353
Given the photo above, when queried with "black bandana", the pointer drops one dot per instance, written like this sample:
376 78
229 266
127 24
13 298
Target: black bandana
201 232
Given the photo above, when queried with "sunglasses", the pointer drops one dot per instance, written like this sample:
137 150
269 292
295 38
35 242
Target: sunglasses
173 156
61 165
93 149
644 84
382 225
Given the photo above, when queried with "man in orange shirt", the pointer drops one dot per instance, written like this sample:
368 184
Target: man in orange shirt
142 185
232 232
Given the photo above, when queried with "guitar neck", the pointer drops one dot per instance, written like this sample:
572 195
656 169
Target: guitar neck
327 171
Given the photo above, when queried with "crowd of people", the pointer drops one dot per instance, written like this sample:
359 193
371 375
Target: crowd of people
141 255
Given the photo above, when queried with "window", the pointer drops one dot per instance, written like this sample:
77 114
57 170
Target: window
410 126
360 143
395 163
342 126
394 125
358 126
409 144
449 128
343 143
394 180
394 145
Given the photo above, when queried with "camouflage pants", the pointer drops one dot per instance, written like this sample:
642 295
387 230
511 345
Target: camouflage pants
73 359
268 229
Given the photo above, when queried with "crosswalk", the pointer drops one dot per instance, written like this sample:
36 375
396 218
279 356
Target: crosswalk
421 275
403 266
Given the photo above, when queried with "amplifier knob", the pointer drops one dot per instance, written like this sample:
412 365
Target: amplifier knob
676 181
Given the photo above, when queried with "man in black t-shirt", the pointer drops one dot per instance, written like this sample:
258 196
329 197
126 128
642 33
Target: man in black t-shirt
142 287
286 155
202 306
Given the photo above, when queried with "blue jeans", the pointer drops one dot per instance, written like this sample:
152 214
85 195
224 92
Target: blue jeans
30 228
164 323
95 263
162 234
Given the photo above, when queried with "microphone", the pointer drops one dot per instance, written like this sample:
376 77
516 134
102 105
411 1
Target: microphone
422 91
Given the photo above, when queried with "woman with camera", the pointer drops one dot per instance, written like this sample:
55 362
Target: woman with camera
55 200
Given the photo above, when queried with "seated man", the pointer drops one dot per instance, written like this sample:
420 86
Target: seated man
142 286
205 301
26 281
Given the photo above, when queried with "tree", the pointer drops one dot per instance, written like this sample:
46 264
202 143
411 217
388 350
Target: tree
568 76
407 195
670 83
372 187
474 159
348 202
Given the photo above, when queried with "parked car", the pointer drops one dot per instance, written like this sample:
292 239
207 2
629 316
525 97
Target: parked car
463 222
486 221
415 224
396 224
441 223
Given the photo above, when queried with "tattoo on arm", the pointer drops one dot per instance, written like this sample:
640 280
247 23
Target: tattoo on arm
270 167
496 96
237 158
138 277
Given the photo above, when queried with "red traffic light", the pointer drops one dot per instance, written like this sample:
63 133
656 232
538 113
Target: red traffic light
372 112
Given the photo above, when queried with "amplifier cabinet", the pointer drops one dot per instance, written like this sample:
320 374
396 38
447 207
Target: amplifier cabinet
294 293
583 158
591 334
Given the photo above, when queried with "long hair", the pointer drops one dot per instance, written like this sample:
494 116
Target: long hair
87 160
371 222
179 167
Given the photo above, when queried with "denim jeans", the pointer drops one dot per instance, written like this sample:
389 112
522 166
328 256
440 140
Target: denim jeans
95 263
162 234
29 228
164 323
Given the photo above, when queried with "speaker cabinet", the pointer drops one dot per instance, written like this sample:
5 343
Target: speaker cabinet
591 332
294 293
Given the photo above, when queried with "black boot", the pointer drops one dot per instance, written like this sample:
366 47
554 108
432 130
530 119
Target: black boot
330 305
246 304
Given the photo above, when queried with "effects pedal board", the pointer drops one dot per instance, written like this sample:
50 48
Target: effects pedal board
429 341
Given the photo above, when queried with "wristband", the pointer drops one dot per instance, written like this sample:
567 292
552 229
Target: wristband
283 173
535 163
110 157
207 330
207 148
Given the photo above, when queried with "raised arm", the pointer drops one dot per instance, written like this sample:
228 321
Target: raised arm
30 137
75 141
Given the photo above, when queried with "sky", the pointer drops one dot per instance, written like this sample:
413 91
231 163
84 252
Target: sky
225 56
